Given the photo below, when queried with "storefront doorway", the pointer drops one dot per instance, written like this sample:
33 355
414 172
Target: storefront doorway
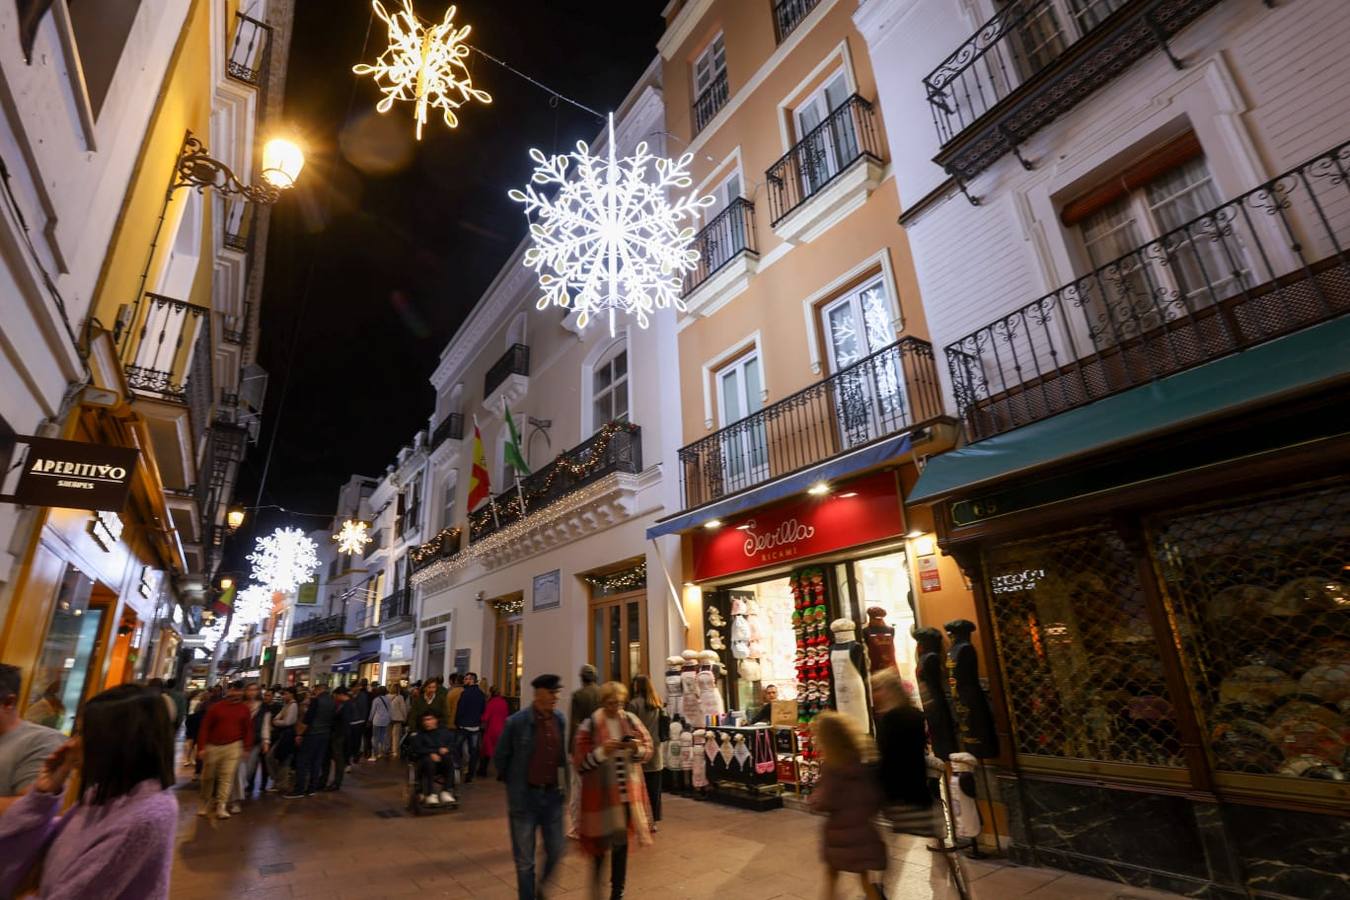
508 660
72 651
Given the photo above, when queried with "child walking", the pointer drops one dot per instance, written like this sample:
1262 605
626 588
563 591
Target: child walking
850 796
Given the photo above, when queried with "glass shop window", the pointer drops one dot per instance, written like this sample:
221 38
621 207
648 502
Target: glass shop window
70 654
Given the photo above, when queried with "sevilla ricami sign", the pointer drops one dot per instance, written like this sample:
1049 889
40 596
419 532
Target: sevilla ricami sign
855 513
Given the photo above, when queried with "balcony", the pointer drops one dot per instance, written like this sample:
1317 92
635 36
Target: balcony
157 349
726 258
891 391
1033 61
323 625
711 101
1270 262
450 428
238 225
248 50
396 609
408 522
828 174
376 544
615 448
507 380
788 14
443 546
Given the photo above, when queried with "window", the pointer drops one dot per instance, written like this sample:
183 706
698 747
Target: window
618 636
509 659
435 658
414 512
868 383
739 396
609 387
723 194
827 143
710 66
448 501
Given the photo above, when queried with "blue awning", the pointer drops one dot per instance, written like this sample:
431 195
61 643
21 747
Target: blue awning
345 664
839 467
1259 376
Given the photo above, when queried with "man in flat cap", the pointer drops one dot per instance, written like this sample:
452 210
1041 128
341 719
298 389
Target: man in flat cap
531 758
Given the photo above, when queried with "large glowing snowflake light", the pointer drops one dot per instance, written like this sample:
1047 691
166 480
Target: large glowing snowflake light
423 65
353 537
284 560
211 634
610 239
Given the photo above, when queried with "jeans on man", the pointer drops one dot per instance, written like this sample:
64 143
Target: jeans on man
339 757
543 810
428 770
379 740
466 752
311 763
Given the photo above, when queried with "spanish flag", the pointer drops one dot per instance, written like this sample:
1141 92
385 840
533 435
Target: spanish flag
480 488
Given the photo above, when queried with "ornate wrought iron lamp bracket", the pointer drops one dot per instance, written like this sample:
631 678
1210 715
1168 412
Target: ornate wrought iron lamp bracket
197 169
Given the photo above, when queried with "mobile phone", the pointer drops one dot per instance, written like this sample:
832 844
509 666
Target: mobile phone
628 738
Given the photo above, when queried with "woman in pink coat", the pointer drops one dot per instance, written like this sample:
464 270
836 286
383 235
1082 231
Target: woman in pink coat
494 720
849 795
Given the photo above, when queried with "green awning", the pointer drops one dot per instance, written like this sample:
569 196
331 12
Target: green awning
1294 363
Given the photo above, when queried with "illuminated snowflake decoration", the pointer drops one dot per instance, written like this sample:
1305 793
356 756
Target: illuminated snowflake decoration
610 239
284 560
211 634
353 537
423 65
253 605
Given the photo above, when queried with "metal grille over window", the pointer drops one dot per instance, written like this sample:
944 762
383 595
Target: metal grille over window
1083 673
1261 594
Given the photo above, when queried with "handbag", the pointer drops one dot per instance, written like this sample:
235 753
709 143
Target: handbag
765 761
662 726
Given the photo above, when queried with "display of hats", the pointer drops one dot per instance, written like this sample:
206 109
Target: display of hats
1240 750
1330 684
1307 737
1256 684
1309 594
1311 767
1311 709
1236 602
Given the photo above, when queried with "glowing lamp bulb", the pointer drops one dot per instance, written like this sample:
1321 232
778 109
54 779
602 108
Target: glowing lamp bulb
226 583
235 517
818 489
282 162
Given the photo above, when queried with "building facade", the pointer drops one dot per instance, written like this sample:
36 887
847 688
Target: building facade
1128 221
129 298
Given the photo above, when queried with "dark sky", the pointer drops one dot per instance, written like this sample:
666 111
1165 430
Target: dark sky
385 244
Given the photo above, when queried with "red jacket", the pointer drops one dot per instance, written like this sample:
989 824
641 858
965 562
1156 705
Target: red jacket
225 723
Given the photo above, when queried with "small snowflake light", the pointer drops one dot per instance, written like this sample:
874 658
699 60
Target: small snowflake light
424 65
611 239
353 537
284 560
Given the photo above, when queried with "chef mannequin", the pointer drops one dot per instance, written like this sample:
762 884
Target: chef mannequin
846 665
674 690
880 640
974 718
933 692
711 705
689 706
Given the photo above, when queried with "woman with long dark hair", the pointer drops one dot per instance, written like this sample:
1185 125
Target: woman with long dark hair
647 706
117 841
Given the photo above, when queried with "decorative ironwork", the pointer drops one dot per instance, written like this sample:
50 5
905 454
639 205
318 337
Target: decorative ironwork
515 361
1267 263
444 545
711 101
788 14
157 355
238 225
1261 598
848 134
617 447
1033 61
726 236
249 50
450 428
197 169
335 624
397 605
888 392
1080 660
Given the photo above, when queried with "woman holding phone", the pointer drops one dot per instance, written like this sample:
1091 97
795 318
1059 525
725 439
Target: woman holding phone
117 841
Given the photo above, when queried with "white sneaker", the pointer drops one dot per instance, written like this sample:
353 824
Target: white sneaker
221 813
447 797
236 808
203 810
431 800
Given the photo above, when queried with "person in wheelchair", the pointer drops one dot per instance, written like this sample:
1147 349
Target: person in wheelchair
431 755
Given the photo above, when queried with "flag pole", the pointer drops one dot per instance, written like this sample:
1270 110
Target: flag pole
520 494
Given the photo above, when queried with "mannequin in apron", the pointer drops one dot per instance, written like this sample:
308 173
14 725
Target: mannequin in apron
689 706
711 705
846 665
933 692
880 640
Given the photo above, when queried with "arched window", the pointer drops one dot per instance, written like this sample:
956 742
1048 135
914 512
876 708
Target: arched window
609 386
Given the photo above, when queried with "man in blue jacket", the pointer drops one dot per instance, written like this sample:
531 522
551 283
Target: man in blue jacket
531 758
469 726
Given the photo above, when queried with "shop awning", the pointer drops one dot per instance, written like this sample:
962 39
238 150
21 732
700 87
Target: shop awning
1254 377
838 467
345 664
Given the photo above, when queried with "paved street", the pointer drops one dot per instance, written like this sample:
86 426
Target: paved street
337 846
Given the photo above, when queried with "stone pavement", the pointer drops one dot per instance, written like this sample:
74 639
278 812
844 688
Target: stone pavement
360 843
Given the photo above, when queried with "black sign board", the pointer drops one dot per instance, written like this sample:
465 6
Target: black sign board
73 475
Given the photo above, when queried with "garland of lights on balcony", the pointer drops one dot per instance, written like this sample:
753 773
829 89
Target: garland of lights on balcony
436 546
618 582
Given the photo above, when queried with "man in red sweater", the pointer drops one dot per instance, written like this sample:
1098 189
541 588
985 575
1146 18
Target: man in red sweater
226 733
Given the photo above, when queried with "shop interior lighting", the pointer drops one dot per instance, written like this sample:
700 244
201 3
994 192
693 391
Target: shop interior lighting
819 488
745 527
712 524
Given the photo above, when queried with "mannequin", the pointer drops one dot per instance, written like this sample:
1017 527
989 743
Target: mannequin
699 763
880 640
674 690
689 705
974 718
846 665
933 692
711 705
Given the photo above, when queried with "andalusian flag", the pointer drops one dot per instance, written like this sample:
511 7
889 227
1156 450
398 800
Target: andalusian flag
480 488
514 458
222 604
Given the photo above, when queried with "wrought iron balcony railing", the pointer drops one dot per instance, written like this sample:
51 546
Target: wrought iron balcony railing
335 624
615 448
788 14
397 605
847 135
515 361
157 348
711 101
238 224
249 49
444 545
450 428
889 392
1033 61
1267 263
726 236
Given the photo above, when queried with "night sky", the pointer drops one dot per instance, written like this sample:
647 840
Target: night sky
385 244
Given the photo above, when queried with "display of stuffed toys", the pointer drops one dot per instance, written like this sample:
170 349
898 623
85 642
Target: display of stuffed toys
813 643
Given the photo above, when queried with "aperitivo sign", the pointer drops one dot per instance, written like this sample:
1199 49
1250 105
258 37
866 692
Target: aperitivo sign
854 513
73 474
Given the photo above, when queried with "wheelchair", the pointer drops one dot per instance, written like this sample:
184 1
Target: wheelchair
410 783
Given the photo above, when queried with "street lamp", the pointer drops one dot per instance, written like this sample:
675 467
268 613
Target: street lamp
196 168
234 517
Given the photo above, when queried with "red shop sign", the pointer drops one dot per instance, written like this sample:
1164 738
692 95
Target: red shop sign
858 512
